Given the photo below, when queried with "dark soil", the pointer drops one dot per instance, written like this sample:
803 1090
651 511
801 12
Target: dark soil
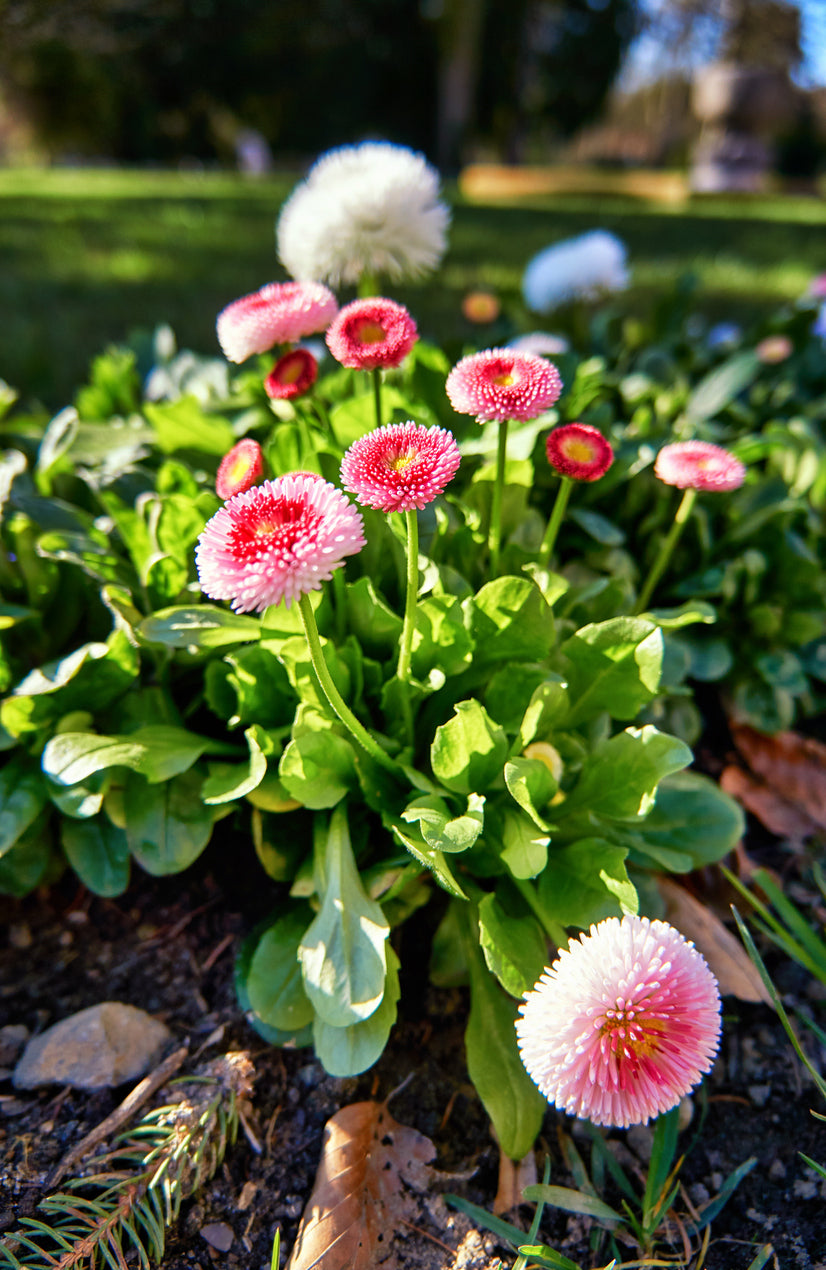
168 946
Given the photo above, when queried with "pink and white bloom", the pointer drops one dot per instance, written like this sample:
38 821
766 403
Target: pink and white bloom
280 313
581 268
541 343
400 467
500 384
292 375
241 468
579 451
277 542
372 334
699 465
774 349
623 1024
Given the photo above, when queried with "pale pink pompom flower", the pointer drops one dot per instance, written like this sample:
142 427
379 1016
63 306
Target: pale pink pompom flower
241 468
699 465
774 349
500 384
372 334
624 1023
292 375
579 451
277 542
279 313
400 467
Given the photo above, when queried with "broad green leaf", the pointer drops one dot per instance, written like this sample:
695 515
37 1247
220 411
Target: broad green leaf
202 626
531 784
547 710
263 693
613 666
156 751
510 621
25 864
185 425
430 857
515 948
274 983
524 850
79 801
440 828
585 882
346 1051
22 797
719 388
686 615
469 751
13 614
508 1094
344 952
694 817
99 854
572 1201
440 639
598 527
620 780
97 673
228 781
372 621
509 690
167 825
273 1035
318 769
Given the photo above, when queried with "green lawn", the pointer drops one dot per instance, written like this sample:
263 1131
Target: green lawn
86 257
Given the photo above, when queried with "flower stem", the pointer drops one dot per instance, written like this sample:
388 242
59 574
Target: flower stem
332 693
495 530
555 932
562 496
368 284
666 547
405 649
377 394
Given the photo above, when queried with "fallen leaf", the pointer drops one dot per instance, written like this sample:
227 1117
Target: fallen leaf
793 765
513 1178
771 809
728 959
360 1196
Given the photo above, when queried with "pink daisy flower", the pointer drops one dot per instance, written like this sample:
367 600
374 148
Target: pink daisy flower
774 349
277 542
579 451
280 313
401 466
292 375
372 334
699 465
623 1024
242 467
502 384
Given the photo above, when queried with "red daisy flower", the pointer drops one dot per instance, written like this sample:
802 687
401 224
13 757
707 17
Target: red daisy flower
280 313
292 375
401 466
579 451
242 467
699 465
501 384
372 334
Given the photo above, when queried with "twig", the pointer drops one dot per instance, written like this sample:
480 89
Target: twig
121 1114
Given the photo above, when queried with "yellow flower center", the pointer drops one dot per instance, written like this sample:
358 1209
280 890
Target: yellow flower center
370 333
504 380
238 469
291 373
401 461
578 451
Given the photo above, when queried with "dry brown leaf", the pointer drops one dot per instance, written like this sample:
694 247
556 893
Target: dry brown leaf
779 816
513 1178
729 962
793 765
359 1198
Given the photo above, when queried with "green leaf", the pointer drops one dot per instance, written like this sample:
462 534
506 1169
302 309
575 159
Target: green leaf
440 828
375 625
97 673
318 769
508 1094
167 825
430 857
202 626
719 388
547 710
22 797
344 952
228 781
524 851
509 689
571 1202
585 882
531 784
510 621
693 816
440 638
79 801
620 780
468 752
99 854
263 693
688 614
185 425
274 983
24 865
156 752
346 1051
598 527
613 666
515 948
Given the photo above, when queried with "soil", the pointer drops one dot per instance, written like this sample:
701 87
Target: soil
168 946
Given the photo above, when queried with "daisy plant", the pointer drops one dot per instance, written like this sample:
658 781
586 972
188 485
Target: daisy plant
578 453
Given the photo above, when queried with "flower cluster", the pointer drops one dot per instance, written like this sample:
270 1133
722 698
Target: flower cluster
279 313
623 1024
501 384
400 467
372 334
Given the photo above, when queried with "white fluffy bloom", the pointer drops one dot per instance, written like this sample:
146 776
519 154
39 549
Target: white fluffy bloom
541 344
372 208
577 269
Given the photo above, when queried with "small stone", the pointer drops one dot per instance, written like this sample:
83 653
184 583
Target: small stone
20 936
218 1235
97 1048
759 1094
777 1170
248 1193
804 1188
12 1039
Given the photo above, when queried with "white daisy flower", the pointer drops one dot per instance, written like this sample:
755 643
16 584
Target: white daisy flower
580 268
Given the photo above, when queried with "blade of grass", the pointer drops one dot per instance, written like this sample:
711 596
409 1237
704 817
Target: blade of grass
725 1193
814 962
512 1235
662 1158
819 1168
542 1255
521 1260
572 1201
762 1257
613 1165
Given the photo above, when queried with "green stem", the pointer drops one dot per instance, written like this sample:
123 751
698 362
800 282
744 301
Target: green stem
377 394
666 548
340 605
561 503
495 530
309 453
326 421
555 932
406 646
332 693
368 285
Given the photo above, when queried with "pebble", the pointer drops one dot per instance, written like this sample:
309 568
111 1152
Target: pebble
759 1094
12 1039
97 1048
777 1170
804 1189
218 1235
